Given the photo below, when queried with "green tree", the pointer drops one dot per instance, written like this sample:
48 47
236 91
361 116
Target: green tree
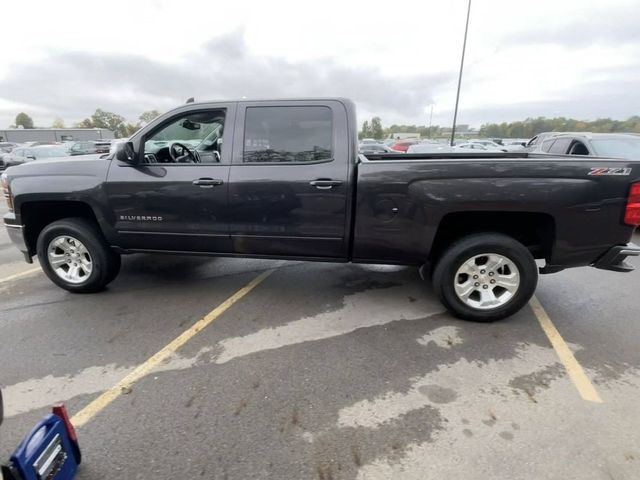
149 115
422 130
57 123
377 131
130 129
532 126
366 131
110 121
23 120
86 123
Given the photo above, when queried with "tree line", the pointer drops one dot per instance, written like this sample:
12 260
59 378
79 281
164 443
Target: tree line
521 129
100 119
373 129
532 126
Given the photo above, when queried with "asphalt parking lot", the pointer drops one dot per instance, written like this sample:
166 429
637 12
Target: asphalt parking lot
321 371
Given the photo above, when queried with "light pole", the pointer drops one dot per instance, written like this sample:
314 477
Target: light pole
464 47
430 118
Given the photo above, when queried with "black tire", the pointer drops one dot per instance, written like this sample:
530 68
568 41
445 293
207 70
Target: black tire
444 275
114 267
105 262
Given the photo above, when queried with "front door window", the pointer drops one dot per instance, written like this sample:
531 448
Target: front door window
192 138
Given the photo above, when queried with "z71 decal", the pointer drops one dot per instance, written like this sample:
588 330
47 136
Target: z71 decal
609 171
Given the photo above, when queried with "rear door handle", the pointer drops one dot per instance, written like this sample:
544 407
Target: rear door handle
325 184
207 182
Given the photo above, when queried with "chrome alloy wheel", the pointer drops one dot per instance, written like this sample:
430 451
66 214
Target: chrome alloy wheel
487 281
70 259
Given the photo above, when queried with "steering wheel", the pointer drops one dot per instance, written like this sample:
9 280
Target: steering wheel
185 157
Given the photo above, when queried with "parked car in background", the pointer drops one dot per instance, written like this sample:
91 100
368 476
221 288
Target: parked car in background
510 146
36 144
535 143
368 148
22 155
6 147
5 150
537 140
370 140
478 146
103 146
493 146
88 148
611 145
403 145
430 147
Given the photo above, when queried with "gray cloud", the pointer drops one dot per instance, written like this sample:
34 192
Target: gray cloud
73 84
614 27
607 97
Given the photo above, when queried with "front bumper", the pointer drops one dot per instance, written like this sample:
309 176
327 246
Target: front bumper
614 258
16 234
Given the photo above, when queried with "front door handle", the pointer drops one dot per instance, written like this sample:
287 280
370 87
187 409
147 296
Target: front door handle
207 182
325 184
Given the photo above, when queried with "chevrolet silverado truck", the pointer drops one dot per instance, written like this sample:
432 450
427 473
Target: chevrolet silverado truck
283 179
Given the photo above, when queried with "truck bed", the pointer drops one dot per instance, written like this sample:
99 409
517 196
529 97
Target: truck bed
408 206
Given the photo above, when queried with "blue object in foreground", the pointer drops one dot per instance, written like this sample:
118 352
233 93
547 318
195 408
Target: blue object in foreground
49 452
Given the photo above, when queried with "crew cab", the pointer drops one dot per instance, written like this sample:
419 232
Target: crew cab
283 179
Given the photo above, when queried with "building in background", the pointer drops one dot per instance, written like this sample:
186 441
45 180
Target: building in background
462 130
21 135
404 135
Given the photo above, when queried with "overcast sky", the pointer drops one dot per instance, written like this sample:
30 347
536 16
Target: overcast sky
574 58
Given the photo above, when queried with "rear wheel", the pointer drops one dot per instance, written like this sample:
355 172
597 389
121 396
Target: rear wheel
485 277
74 255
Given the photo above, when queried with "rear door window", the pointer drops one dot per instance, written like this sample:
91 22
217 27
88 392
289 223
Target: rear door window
288 135
546 145
560 146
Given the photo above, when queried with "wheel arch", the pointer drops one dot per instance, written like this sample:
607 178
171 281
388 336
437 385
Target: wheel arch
36 215
536 231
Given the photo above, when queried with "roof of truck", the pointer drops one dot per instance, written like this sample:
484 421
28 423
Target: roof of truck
265 100
596 135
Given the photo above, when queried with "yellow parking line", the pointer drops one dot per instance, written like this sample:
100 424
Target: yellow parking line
124 385
16 276
574 369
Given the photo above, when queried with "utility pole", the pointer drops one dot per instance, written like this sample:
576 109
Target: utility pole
464 47
430 118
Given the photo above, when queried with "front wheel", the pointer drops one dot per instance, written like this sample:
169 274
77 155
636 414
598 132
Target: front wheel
74 256
485 277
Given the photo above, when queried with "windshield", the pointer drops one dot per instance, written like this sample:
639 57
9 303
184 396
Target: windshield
49 152
617 147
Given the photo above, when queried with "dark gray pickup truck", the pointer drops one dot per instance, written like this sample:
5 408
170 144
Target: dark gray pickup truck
283 179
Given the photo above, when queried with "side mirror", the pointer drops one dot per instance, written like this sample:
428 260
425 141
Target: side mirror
31 157
126 153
